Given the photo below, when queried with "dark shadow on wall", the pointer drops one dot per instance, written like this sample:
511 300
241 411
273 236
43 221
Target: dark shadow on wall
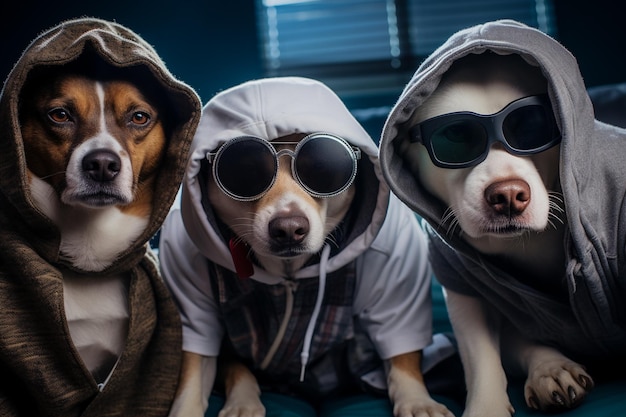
595 33
211 45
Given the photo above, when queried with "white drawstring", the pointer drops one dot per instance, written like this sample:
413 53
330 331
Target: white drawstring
308 337
290 288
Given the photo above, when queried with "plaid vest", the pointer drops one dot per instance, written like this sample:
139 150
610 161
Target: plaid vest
252 312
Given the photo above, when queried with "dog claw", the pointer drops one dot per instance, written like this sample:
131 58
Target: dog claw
572 394
558 398
585 382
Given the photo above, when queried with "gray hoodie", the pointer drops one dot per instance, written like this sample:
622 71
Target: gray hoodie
390 298
590 322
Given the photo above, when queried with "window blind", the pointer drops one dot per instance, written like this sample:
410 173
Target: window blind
322 32
351 39
432 22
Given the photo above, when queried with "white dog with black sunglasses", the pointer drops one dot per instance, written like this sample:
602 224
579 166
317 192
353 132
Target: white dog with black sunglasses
488 147
477 146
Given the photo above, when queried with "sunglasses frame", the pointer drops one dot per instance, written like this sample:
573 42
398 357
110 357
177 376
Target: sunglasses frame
492 125
214 158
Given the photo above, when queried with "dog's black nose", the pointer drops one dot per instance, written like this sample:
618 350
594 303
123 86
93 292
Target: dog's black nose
288 230
102 165
509 197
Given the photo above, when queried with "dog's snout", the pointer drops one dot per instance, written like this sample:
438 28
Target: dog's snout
287 230
101 165
509 197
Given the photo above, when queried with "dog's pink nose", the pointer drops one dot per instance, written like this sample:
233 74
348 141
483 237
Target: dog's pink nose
101 165
288 230
509 197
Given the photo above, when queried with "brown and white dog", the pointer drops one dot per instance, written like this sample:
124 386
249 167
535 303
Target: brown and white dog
287 217
508 207
92 149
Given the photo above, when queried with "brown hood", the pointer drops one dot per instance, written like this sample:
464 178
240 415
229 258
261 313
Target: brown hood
41 372
98 43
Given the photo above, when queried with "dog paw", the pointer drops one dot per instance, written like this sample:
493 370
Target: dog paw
423 408
556 385
490 408
250 409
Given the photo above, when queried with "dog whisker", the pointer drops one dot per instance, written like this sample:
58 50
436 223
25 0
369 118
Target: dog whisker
241 223
333 241
450 218
330 239
52 175
241 238
454 226
243 219
556 195
334 220
556 213
242 226
238 239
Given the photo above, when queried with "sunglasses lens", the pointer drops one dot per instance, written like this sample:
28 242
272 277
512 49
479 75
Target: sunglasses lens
325 165
528 128
459 142
246 168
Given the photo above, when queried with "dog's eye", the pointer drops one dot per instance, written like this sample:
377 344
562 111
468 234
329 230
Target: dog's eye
140 118
59 115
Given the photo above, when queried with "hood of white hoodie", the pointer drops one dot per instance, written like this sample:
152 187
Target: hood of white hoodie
272 108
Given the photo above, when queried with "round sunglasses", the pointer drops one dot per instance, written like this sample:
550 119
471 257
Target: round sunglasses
245 167
462 139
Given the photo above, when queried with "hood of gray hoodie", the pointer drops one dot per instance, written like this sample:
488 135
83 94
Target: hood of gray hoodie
269 109
592 176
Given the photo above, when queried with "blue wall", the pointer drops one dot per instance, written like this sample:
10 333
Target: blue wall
213 45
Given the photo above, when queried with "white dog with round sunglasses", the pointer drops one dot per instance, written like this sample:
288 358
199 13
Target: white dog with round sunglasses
485 144
287 259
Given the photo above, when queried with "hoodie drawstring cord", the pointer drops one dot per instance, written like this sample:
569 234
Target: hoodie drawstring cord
308 337
290 286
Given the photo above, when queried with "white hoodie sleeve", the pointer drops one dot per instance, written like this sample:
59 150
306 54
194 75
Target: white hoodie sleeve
393 299
185 271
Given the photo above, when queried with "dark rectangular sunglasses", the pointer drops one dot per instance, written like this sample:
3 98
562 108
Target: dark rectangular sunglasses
462 139
245 167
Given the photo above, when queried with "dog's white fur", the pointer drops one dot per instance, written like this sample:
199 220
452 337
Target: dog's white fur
531 250
250 220
92 239
94 230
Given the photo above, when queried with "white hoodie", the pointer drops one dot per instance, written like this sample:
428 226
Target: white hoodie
391 300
